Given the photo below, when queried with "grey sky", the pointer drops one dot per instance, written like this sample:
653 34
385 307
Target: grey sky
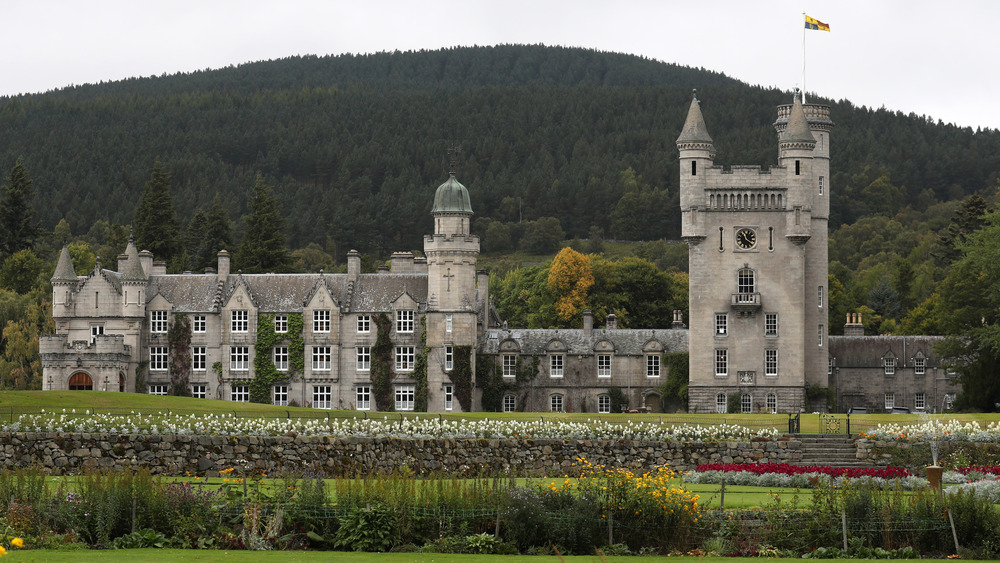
917 56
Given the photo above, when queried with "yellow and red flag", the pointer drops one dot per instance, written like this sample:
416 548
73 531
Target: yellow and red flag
813 23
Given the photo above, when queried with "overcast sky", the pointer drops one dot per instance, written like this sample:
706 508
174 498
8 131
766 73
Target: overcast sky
927 57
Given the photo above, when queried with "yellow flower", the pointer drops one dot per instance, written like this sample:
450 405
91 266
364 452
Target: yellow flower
17 542
3 551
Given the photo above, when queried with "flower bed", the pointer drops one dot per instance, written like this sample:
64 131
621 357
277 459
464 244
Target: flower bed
788 469
951 430
224 424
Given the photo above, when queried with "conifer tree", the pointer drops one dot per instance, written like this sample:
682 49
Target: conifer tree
263 249
16 214
155 221
218 231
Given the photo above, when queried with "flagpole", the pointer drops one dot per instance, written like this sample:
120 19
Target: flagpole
803 58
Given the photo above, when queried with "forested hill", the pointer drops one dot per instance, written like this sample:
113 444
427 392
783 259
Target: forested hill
354 146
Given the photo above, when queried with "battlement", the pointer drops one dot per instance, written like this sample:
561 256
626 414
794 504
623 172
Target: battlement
817 115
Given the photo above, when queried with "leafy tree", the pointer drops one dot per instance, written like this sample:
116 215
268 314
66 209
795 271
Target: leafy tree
17 225
648 295
22 367
542 236
155 221
969 218
21 271
263 249
570 277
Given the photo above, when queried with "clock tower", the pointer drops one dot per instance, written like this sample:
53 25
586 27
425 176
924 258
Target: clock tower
758 266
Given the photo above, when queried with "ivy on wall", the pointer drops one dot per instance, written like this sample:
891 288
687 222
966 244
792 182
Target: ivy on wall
382 372
265 375
495 385
676 386
419 374
179 363
217 368
461 376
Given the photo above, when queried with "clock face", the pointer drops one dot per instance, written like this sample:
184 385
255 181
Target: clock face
746 238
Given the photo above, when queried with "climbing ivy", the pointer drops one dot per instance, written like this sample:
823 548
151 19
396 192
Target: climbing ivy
419 374
217 368
179 365
265 375
382 372
495 385
461 376
676 385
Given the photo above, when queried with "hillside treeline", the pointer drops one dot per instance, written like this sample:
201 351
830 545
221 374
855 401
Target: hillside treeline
354 145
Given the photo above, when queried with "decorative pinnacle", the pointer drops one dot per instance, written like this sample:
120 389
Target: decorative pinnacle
694 94
452 151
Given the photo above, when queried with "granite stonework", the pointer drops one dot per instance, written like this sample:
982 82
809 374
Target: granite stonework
69 453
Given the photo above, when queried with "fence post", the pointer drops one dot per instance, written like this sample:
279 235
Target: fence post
843 526
848 423
722 494
954 534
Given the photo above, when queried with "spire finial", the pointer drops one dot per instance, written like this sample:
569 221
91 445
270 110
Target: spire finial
452 151
694 94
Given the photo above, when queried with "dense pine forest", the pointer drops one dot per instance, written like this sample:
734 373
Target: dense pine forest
555 144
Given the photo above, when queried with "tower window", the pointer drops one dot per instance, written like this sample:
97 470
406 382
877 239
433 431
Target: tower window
745 281
797 167
820 185
694 167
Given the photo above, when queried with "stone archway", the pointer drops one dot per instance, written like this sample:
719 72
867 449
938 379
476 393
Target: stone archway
80 381
651 400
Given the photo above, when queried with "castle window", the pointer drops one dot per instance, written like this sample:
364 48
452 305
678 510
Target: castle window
829 365
771 402
322 397
721 362
239 321
449 397
363 398
157 358
281 358
364 323
694 167
364 358
819 297
240 393
820 334
158 389
770 324
239 358
95 331
198 323
405 397
279 395
746 403
509 403
199 391
198 361
449 357
404 321
509 365
404 358
281 323
448 323
920 401
321 358
745 281
604 365
721 322
603 404
797 167
321 321
721 405
556 403
949 401
820 185
556 365
890 401
652 365
889 365
771 362
919 366
158 321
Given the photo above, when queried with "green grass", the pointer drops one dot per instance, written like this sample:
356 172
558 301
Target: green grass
13 403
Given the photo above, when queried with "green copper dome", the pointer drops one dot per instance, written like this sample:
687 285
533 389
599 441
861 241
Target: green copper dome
451 197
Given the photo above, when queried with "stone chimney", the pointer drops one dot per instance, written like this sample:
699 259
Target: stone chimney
382 269
159 268
146 259
420 265
678 322
854 326
612 321
223 272
401 262
588 323
353 265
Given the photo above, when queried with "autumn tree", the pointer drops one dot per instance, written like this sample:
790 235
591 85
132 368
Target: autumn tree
570 277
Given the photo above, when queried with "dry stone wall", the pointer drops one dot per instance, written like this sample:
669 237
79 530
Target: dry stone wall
68 453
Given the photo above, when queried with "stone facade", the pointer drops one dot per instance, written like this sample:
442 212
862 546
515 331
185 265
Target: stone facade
63 454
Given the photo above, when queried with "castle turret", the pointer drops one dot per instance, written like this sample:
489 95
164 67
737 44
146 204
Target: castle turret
63 285
697 155
134 281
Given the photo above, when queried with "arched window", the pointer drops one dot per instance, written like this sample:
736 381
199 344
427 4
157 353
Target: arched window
746 403
720 403
81 382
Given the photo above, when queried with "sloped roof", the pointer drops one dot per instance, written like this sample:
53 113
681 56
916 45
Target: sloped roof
695 130
377 292
189 293
868 351
64 269
797 130
626 341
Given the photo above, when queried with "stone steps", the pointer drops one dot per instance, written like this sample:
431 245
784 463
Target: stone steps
834 450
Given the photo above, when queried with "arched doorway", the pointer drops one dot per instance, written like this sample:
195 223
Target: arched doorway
81 382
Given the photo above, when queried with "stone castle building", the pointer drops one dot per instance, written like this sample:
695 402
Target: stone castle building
758 339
